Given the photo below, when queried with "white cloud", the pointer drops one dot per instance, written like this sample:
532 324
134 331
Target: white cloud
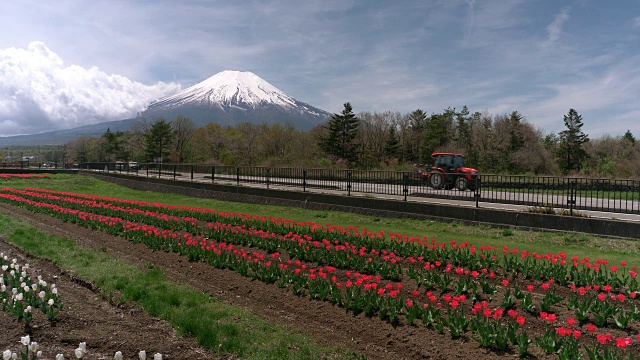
608 101
40 93
554 30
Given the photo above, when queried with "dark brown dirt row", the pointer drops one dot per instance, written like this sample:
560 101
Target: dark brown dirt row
327 324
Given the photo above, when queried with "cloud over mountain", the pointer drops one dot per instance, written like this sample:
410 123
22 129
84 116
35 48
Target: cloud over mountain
38 92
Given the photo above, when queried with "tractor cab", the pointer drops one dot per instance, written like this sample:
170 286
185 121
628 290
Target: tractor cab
448 161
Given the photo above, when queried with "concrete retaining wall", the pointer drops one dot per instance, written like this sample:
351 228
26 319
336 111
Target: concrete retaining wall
380 207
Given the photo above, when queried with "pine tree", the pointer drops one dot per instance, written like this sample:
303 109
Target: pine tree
571 152
340 140
392 145
113 145
629 138
417 124
158 140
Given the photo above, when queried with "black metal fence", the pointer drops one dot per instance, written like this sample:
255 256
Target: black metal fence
544 192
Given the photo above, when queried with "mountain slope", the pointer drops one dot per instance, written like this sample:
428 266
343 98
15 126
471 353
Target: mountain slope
233 97
61 137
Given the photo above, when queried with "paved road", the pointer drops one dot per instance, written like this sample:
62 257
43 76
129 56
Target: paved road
421 194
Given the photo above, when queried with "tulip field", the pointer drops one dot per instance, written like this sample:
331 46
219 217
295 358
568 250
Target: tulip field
493 302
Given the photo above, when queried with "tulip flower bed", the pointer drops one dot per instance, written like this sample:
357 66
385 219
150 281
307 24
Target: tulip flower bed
19 294
507 300
24 176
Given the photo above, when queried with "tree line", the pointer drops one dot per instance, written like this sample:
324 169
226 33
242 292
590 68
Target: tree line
504 143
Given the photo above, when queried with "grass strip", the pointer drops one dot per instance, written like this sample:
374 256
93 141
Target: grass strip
221 328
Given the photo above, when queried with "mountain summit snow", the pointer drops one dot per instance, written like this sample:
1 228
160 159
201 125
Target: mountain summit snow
233 97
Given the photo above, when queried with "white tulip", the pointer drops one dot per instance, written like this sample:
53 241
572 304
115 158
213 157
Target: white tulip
25 340
28 309
42 294
39 354
79 353
118 355
157 356
59 357
50 302
14 291
6 355
142 355
54 290
33 347
83 346
14 356
34 287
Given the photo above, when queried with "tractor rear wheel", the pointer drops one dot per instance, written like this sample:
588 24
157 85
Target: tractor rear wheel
473 184
461 184
437 179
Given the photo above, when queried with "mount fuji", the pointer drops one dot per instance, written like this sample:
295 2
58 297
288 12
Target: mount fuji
232 97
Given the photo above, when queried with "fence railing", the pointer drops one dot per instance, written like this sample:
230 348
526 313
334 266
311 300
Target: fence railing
606 195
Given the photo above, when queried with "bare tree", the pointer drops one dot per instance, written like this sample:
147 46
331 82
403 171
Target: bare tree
213 141
183 128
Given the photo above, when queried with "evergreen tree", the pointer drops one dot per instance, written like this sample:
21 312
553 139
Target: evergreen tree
417 125
628 137
113 145
463 129
340 140
158 140
516 140
571 153
438 132
392 145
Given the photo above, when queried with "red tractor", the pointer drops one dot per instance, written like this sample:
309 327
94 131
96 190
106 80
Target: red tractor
449 171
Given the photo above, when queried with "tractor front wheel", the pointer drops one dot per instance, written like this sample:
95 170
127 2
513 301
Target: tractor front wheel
437 180
461 184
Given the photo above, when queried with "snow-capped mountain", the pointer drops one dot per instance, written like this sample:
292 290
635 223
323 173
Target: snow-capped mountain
233 97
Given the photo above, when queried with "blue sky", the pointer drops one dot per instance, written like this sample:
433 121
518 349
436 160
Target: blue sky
78 62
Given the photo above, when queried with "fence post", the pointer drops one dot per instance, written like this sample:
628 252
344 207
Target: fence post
174 171
304 180
147 170
349 183
571 199
159 170
213 173
404 186
238 175
268 173
191 172
476 193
